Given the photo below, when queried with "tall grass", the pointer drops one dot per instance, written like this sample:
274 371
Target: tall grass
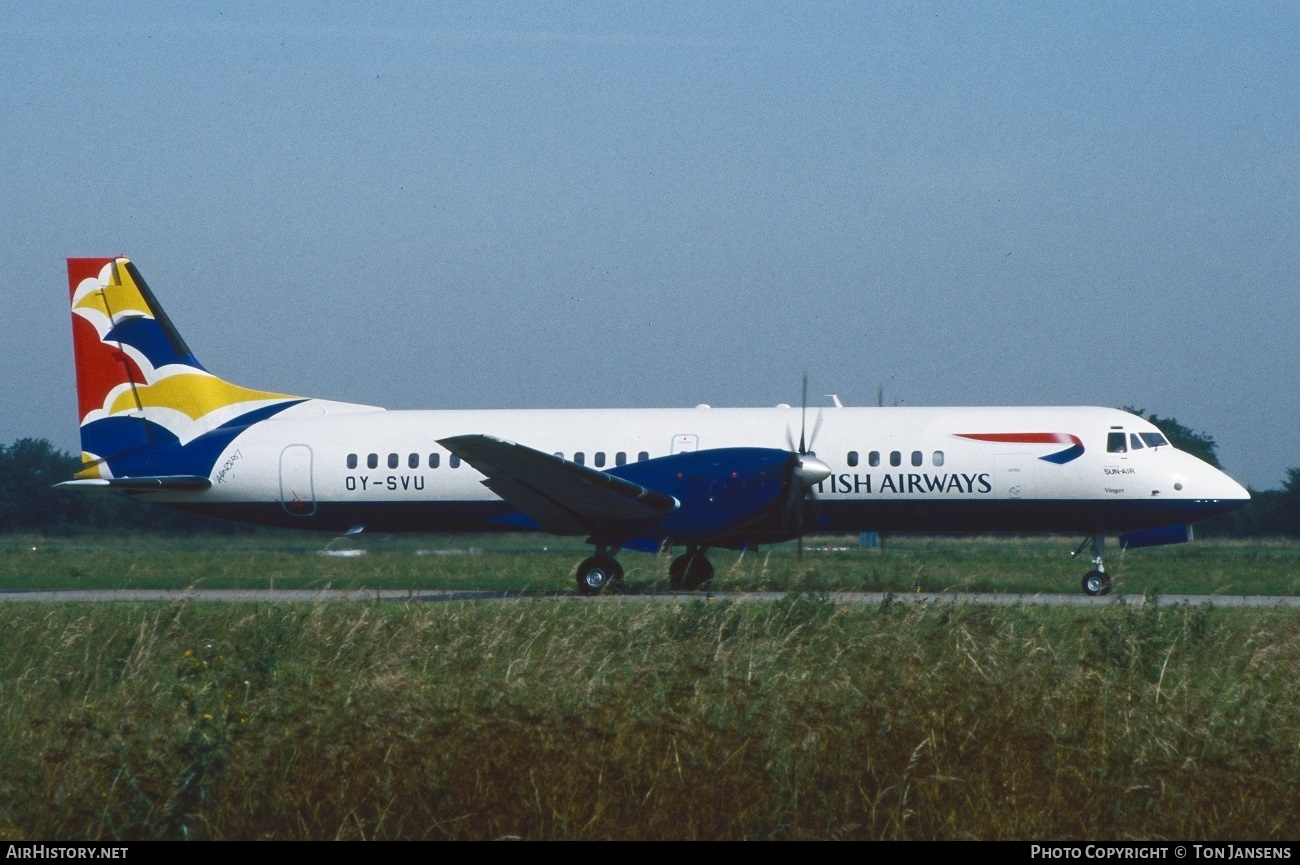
800 719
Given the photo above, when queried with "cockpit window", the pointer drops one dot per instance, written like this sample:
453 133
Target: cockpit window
1134 442
1116 443
1155 440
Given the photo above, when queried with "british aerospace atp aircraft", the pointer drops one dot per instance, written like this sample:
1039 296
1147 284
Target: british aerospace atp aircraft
155 424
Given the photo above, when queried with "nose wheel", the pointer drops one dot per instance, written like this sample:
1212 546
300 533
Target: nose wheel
1097 581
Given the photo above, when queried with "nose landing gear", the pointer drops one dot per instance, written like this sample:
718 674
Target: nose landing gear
1097 581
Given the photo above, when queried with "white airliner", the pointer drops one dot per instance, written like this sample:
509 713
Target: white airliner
156 425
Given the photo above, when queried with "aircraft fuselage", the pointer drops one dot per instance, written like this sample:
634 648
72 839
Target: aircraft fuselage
892 469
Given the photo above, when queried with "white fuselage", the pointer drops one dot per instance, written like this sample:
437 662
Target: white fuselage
336 466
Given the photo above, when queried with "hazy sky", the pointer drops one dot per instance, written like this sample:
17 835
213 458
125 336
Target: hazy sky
440 205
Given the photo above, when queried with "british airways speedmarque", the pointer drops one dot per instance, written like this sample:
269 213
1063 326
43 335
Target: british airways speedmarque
155 424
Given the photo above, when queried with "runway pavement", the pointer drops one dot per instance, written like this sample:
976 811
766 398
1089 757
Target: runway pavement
443 595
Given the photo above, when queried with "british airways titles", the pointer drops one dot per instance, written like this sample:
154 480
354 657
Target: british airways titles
907 483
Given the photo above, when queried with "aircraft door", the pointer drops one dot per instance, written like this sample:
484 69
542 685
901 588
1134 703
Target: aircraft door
297 495
685 443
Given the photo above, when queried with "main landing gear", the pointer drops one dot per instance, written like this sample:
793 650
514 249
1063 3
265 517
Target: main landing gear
690 571
1096 581
600 572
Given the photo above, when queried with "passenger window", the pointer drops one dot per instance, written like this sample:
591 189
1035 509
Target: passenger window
873 459
599 459
1135 443
1115 443
853 459
620 459
372 461
937 458
917 458
453 461
413 461
895 458
392 461
352 461
642 456
580 458
433 461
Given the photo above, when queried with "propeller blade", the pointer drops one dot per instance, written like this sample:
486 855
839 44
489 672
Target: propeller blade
806 471
817 426
803 414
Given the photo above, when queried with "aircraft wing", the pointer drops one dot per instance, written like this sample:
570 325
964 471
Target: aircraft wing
562 497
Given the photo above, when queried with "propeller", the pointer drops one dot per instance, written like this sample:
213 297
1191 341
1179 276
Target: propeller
805 470
805 441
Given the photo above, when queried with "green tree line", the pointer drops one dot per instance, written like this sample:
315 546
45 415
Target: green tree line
29 469
29 503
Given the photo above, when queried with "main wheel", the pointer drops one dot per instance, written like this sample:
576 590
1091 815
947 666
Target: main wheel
597 574
676 569
1096 583
690 571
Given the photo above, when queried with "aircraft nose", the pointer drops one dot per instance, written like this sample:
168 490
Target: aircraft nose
1207 482
1232 490
1203 490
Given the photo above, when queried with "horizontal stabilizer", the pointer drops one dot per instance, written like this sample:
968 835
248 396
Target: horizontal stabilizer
1179 534
140 484
562 497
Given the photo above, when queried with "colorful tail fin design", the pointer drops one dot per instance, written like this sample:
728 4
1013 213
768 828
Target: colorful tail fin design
147 406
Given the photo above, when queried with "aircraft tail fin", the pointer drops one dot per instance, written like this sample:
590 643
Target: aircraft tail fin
146 405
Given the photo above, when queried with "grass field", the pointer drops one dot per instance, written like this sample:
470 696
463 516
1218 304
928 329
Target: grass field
797 719
520 562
